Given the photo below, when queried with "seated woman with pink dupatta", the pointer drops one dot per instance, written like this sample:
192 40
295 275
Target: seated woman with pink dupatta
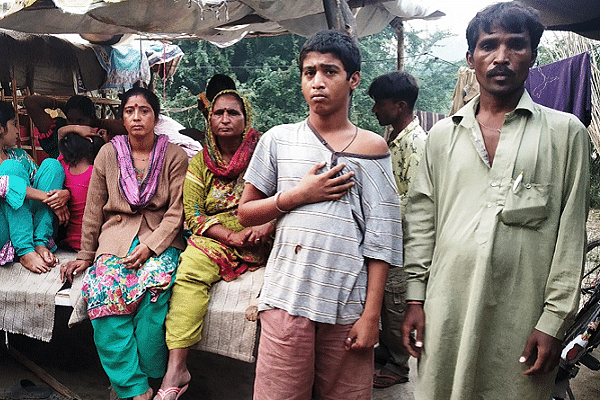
131 241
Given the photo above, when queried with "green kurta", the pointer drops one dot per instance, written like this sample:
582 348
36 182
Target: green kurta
494 259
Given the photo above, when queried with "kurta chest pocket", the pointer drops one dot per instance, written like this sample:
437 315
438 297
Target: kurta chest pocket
527 206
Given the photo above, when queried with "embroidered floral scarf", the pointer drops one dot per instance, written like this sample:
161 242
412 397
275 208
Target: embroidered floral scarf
241 158
139 195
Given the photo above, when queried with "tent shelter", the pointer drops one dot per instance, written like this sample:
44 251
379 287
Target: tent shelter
219 21
50 65
47 63
580 16
225 22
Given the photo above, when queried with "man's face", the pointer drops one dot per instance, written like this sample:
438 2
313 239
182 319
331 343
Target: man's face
501 61
324 83
387 111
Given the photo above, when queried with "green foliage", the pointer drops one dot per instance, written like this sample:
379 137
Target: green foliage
266 71
544 56
276 96
437 77
378 58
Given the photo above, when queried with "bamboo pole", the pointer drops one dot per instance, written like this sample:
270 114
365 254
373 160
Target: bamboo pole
43 375
398 27
339 16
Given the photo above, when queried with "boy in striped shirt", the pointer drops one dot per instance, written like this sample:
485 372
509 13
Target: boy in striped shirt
329 185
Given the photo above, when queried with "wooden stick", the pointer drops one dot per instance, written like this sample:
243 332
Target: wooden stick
43 375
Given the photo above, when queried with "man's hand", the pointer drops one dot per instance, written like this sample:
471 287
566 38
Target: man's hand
82 130
543 351
363 335
413 321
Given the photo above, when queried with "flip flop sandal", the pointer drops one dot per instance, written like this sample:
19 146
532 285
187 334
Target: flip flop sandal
381 381
162 394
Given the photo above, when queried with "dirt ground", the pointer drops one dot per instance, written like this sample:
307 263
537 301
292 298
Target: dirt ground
71 358
593 224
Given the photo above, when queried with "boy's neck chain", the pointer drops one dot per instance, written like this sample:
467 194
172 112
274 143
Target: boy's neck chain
352 141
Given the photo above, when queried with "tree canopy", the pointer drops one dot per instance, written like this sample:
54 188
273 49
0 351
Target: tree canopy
266 71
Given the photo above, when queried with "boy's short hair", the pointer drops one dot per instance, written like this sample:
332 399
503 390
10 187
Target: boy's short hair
337 43
398 86
83 104
512 17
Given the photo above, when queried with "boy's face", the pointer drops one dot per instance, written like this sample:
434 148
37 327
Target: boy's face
324 83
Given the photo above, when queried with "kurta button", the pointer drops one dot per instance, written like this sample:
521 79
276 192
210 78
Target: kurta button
489 205
118 218
528 186
494 184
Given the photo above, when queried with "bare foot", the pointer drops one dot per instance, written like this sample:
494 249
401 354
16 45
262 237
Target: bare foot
34 262
46 255
145 396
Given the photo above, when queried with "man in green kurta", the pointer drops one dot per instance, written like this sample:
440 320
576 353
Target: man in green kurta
495 228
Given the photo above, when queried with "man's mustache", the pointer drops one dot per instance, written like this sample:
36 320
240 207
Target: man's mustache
500 70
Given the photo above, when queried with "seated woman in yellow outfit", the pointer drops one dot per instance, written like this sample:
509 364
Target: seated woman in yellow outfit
219 246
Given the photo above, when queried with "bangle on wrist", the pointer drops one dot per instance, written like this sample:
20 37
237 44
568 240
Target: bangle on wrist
277 201
415 302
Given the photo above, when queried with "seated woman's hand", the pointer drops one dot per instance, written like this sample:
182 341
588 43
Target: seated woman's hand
260 234
57 198
63 215
239 239
72 268
137 257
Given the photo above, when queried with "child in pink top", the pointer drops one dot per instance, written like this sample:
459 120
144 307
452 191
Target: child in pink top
77 158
